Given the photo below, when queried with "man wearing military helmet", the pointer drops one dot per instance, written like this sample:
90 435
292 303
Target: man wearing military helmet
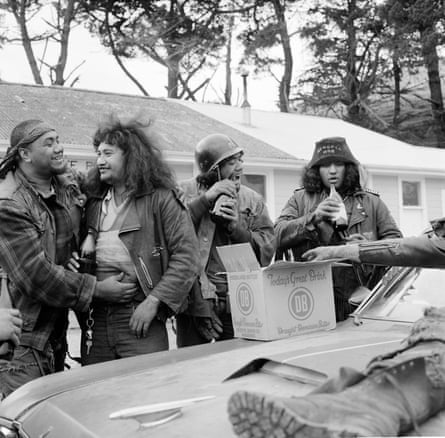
224 212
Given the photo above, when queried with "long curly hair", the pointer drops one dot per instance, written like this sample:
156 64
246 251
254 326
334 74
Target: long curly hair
312 183
144 165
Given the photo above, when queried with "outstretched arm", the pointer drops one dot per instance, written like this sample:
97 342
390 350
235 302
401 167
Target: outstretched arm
426 250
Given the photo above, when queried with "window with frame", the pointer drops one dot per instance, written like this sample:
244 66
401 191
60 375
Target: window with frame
255 182
411 194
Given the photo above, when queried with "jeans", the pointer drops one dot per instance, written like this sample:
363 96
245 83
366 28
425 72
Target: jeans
113 339
27 364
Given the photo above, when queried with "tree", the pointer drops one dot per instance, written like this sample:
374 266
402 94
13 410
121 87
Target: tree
425 20
57 31
345 38
183 36
267 28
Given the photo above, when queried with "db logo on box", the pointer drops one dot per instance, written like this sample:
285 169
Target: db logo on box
244 298
301 303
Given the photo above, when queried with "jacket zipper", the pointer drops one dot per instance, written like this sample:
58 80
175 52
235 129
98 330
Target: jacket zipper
146 272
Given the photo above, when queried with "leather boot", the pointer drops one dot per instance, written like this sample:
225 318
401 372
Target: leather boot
388 402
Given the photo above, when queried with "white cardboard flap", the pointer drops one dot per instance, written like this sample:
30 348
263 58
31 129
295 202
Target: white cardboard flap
287 264
238 258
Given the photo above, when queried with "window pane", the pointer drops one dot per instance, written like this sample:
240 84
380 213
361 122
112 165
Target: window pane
255 182
411 193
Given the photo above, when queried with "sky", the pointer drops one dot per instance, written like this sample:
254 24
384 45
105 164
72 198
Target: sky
100 71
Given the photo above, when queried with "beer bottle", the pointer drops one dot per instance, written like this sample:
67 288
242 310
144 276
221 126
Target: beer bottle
341 218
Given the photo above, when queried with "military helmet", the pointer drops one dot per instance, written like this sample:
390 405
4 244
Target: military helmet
213 149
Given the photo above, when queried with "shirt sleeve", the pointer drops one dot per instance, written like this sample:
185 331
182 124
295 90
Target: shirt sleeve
426 250
23 256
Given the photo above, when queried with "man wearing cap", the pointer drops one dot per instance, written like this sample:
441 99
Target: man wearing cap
36 242
224 212
307 219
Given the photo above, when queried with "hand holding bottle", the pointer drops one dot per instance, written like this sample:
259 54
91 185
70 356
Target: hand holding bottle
327 210
340 219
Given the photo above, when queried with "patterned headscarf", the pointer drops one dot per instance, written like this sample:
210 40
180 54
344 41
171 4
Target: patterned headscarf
23 134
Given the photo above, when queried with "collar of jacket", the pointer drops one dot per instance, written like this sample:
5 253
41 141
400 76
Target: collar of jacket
15 178
104 188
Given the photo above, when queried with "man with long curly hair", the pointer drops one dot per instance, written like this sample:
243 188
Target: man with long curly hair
138 229
307 219
224 212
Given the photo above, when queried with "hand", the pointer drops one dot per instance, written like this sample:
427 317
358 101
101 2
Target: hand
319 254
228 211
10 325
73 263
344 252
210 328
88 247
357 237
326 210
143 316
112 289
224 187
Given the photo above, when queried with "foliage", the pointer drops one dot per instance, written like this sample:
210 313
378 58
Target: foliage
349 63
266 31
59 16
183 36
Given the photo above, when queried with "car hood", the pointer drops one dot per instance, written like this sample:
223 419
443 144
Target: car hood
82 407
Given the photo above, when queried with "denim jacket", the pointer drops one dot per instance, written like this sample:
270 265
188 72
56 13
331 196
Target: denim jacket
41 289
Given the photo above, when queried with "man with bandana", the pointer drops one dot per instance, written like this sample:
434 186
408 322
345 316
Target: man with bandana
36 242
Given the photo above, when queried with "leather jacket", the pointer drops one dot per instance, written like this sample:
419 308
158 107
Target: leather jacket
159 236
427 250
368 215
296 230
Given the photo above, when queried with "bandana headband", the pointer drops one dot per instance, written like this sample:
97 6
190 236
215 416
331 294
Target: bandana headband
31 136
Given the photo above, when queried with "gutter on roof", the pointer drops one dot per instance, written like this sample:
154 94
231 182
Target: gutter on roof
86 152
396 170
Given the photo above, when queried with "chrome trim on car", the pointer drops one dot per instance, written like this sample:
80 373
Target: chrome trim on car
158 413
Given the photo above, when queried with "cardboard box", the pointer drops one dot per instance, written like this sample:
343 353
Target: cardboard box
284 299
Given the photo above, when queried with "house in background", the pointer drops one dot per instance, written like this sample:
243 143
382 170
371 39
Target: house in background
76 113
410 179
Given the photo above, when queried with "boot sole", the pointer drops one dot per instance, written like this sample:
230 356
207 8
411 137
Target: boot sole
256 416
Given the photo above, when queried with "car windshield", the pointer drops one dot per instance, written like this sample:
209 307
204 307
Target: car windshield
404 293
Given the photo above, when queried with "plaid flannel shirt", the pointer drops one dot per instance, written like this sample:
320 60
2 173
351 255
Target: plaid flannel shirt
35 243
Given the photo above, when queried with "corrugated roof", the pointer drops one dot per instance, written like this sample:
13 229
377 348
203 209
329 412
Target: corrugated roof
75 113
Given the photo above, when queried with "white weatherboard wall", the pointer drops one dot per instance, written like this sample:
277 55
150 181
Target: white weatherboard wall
182 171
388 189
387 160
286 181
434 198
